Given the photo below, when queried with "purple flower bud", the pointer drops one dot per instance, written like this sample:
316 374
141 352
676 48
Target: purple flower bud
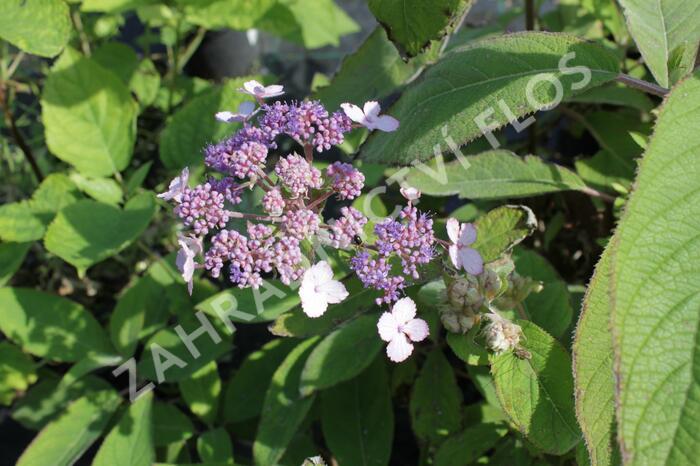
344 229
273 203
301 223
203 208
346 180
297 175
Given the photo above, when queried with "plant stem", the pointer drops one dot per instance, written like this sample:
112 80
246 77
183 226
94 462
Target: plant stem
595 193
10 121
530 15
261 218
191 48
320 199
309 152
78 23
645 86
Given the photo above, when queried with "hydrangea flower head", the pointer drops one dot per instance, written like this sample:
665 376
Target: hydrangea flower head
346 180
369 116
462 256
400 328
318 289
176 187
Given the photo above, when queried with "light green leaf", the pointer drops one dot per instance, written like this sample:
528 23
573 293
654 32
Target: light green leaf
357 418
501 229
140 75
466 447
112 6
201 392
493 175
374 71
137 178
39 27
593 370
284 408
87 232
11 258
666 33
89 115
656 292
27 220
130 443
66 438
145 306
245 392
412 24
467 83
218 14
17 372
215 446
537 393
436 399
101 189
170 425
341 355
466 349
49 326
551 307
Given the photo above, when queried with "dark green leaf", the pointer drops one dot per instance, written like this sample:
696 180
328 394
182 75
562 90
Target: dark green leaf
201 392
215 446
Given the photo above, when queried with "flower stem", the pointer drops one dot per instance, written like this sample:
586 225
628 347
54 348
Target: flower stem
649 88
320 199
261 218
309 152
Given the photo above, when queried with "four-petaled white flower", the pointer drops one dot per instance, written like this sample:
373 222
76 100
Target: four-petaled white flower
176 187
259 91
190 247
245 110
369 116
411 194
318 289
462 256
400 327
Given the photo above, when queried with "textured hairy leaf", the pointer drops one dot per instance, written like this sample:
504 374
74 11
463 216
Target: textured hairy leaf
130 443
436 399
537 393
501 229
656 293
89 115
593 370
468 83
284 408
667 34
40 27
88 232
357 418
67 437
496 174
341 355
49 326
412 24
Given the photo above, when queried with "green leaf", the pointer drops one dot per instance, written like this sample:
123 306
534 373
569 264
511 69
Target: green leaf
466 447
89 115
101 189
17 372
27 220
50 327
412 24
537 393
113 6
297 324
284 408
341 355
501 229
167 351
145 306
218 14
664 31
467 349
44 401
39 27
312 23
551 307
357 418
66 438
170 425
215 446
140 75
468 82
616 94
193 126
246 390
11 258
130 443
436 400
201 392
493 175
656 292
88 232
376 58
593 369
